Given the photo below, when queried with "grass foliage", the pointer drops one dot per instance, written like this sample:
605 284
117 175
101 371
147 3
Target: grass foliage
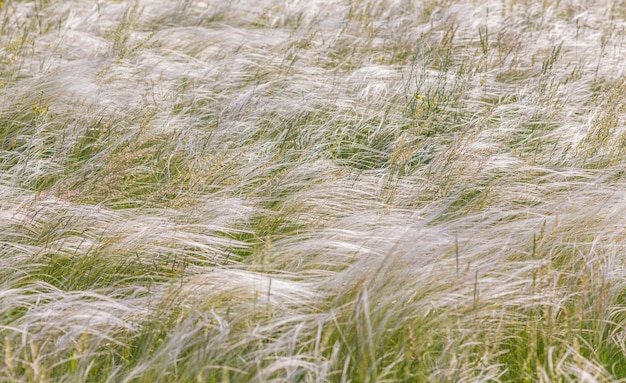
312 191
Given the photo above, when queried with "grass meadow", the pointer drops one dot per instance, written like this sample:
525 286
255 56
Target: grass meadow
312 191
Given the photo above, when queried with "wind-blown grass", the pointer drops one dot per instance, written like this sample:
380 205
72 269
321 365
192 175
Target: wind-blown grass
352 191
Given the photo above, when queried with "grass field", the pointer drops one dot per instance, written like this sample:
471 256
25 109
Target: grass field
312 191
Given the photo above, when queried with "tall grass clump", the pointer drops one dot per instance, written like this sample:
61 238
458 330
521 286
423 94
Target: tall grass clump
348 191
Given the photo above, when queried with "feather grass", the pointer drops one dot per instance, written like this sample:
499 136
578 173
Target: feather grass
312 191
